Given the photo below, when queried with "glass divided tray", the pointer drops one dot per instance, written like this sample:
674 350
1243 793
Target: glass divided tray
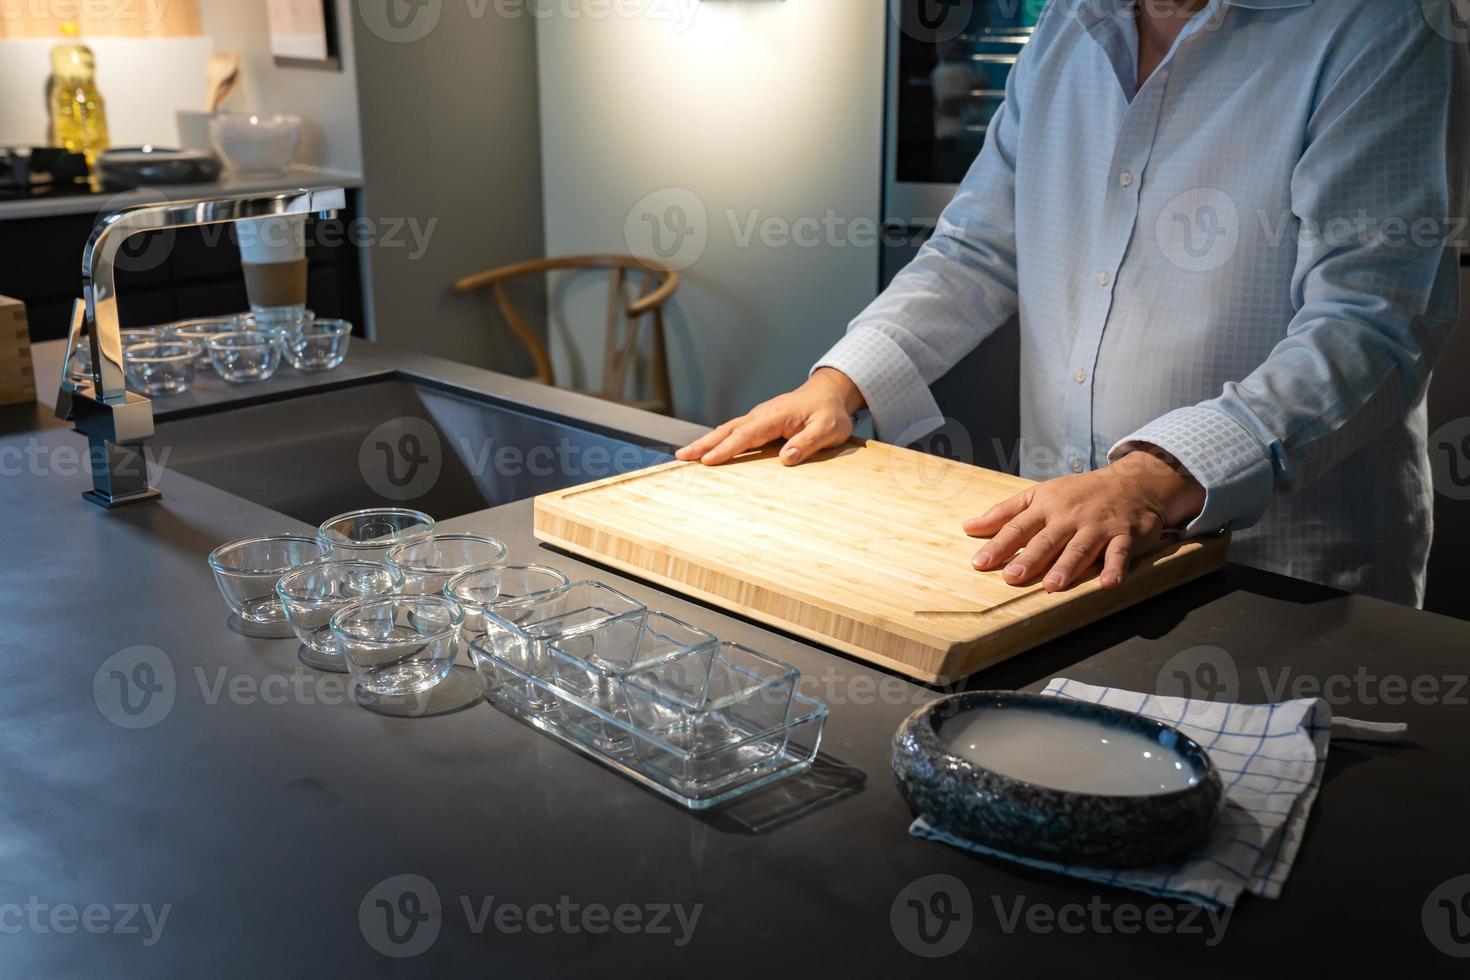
697 774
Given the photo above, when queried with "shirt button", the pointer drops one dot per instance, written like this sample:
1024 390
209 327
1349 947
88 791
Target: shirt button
1126 180
1080 376
1076 466
1103 278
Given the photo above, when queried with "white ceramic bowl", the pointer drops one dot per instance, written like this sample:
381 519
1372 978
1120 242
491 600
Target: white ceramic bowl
256 144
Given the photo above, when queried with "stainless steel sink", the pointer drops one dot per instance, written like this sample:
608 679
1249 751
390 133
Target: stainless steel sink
391 442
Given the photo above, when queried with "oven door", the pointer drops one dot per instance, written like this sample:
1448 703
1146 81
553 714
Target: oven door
948 61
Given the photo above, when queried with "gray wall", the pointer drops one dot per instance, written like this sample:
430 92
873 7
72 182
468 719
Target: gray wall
750 112
451 148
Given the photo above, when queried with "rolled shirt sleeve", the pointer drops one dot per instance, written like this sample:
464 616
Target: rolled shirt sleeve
958 290
1375 306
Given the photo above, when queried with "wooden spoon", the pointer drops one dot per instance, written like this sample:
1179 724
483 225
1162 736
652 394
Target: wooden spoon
222 71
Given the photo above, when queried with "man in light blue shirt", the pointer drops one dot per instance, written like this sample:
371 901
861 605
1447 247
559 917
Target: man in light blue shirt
1230 229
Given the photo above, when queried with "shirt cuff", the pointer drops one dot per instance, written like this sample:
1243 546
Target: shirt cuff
896 394
1226 459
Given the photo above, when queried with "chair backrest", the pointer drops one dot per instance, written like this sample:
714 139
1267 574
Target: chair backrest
625 315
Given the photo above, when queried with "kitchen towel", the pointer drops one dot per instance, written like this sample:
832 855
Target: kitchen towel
1270 758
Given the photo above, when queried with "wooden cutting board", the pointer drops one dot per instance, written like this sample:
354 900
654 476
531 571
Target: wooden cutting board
860 549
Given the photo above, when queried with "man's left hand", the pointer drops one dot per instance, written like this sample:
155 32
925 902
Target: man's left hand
1060 528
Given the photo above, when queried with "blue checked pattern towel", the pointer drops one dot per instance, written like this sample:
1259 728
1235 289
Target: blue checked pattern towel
1270 758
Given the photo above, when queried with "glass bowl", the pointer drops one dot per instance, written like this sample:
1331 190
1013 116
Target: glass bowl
81 358
370 534
201 331
156 368
247 570
316 345
243 356
398 645
480 591
312 593
427 563
255 144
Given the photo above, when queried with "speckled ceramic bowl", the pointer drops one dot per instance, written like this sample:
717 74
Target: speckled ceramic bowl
1056 779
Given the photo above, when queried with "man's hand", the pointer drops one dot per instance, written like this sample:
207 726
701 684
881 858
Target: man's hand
1062 526
813 417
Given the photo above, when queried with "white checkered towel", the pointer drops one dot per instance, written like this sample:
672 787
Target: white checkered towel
1270 758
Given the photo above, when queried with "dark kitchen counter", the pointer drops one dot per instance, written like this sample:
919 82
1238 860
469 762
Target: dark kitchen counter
264 809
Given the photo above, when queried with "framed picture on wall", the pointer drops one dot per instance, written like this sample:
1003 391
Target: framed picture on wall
304 33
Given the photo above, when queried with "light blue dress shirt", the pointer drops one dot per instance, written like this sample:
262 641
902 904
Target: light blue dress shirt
1251 262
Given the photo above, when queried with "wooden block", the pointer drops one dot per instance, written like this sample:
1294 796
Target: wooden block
861 550
17 374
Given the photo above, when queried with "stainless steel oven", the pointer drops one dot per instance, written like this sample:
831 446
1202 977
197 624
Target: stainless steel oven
948 61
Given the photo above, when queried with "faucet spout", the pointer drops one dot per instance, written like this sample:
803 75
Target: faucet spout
113 419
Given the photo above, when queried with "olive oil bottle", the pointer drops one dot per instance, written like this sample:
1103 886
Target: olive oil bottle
78 114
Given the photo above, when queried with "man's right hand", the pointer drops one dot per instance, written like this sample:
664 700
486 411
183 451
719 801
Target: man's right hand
816 416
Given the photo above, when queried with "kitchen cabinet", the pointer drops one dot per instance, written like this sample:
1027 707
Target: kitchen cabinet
164 275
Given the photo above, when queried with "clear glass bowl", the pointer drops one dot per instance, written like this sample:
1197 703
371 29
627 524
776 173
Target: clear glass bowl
428 562
81 358
480 591
156 368
244 356
399 645
247 570
201 331
370 534
310 595
316 345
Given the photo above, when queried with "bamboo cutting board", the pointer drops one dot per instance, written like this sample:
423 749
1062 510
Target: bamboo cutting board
860 549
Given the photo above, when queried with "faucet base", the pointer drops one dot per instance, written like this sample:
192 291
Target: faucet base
109 501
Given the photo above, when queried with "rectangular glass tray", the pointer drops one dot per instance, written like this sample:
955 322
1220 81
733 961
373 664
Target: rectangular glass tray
800 738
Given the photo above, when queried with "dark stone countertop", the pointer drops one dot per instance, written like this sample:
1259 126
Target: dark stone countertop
265 808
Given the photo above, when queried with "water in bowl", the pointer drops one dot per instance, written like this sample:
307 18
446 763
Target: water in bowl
1077 755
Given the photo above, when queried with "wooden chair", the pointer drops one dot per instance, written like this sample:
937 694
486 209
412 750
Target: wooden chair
625 318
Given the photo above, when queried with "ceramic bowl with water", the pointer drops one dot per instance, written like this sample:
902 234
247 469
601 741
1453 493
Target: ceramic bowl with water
1057 779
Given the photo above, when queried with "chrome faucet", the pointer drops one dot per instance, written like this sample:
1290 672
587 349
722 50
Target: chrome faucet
115 420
